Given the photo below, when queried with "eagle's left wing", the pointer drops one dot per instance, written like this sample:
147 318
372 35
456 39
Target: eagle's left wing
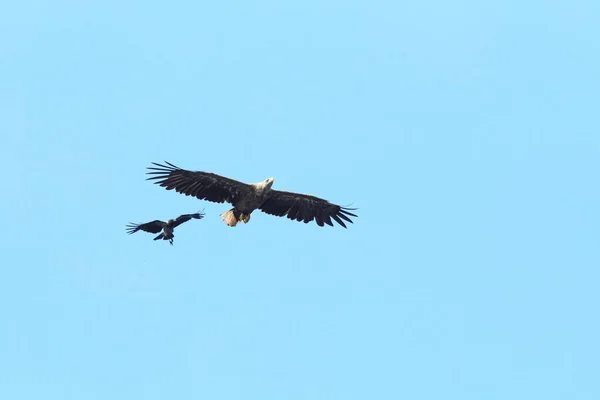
202 185
304 207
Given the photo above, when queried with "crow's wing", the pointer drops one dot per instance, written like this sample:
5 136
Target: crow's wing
151 227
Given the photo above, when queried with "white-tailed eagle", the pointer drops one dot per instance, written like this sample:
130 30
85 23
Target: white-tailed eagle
165 228
246 198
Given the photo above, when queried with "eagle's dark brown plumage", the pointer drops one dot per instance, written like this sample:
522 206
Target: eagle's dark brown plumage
246 198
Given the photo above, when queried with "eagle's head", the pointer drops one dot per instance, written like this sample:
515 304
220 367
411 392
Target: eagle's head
263 187
269 182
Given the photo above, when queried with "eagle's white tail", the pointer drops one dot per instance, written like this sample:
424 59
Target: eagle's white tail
233 217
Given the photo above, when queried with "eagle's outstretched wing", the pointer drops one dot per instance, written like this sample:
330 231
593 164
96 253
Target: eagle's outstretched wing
151 227
186 217
202 185
303 207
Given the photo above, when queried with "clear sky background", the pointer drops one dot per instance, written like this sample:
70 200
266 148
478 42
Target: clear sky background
467 133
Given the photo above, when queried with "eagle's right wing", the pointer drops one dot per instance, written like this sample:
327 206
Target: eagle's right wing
304 207
202 185
151 227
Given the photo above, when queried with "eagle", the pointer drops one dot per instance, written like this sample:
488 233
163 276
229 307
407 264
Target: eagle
165 228
246 198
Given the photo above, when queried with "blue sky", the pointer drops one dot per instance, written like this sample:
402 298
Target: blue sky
466 132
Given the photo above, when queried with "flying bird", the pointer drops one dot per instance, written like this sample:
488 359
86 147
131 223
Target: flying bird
246 198
165 228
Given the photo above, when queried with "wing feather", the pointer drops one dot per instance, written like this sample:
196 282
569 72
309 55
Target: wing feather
202 185
305 208
319 216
